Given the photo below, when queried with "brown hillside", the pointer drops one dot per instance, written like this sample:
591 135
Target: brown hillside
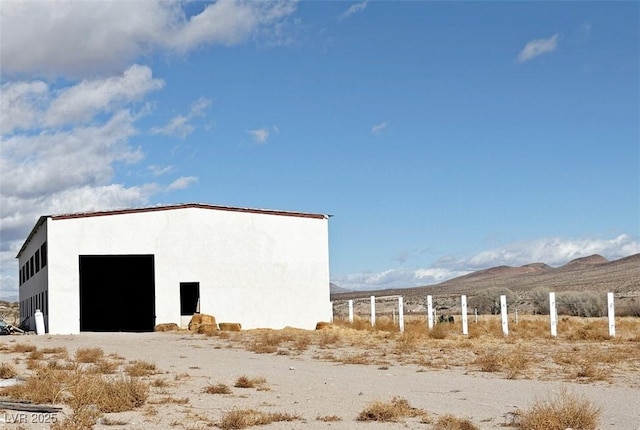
591 260
592 273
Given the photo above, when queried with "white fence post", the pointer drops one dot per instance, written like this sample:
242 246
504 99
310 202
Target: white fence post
465 323
612 315
430 311
475 312
553 315
401 314
350 311
373 311
505 316
331 317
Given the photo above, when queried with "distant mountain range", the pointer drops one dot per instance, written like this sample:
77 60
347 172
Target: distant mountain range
593 273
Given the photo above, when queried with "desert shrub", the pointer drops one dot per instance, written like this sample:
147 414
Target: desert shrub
329 337
516 362
580 303
7 371
84 418
104 366
44 386
488 301
60 350
35 355
140 368
217 389
88 355
489 361
122 394
562 411
328 418
540 300
440 331
243 418
23 347
159 383
246 382
391 411
450 422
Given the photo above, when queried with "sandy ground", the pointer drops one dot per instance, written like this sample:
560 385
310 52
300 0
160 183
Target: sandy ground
312 388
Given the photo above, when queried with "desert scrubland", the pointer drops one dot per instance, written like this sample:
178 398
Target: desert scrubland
344 376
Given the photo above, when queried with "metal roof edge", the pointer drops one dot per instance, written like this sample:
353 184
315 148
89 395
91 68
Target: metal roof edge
188 206
35 228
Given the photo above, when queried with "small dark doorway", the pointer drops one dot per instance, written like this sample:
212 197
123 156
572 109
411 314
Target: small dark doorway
189 298
117 293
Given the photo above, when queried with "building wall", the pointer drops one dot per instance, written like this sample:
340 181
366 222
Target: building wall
260 270
32 292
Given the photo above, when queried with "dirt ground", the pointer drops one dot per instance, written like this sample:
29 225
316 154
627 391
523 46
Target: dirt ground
306 384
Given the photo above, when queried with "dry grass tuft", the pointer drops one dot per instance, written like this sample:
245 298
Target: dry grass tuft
35 355
246 382
122 394
391 411
217 389
104 366
7 371
450 422
489 361
44 386
243 418
23 347
168 400
88 355
139 368
562 411
328 418
82 419
159 383
113 422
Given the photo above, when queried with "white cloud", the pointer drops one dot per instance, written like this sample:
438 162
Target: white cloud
78 39
159 170
30 106
21 104
81 102
260 135
378 128
356 8
181 125
537 47
552 251
182 183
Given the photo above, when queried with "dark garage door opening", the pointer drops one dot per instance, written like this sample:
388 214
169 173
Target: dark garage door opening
117 293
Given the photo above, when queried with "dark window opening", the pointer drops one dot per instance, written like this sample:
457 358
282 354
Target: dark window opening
43 254
31 266
27 269
37 255
189 298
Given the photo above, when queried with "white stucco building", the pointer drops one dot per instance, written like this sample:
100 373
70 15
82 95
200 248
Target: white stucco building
128 270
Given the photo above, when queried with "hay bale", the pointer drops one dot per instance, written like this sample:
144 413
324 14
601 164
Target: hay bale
207 329
230 326
199 319
166 327
324 325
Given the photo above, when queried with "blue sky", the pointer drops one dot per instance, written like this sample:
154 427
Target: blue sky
444 137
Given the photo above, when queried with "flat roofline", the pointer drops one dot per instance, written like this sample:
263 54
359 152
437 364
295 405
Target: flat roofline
42 219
